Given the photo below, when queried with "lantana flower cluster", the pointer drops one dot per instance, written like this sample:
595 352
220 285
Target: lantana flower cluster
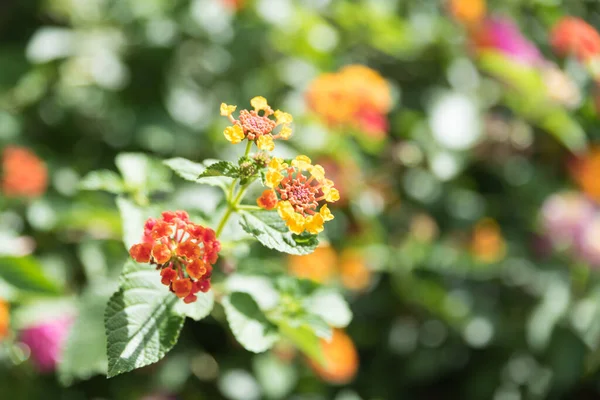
296 190
256 125
356 96
184 253
23 173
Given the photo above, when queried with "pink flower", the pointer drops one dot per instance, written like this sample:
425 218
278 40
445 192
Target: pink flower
46 341
588 243
503 35
564 216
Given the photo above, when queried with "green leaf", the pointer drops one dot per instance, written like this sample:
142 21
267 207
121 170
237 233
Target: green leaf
565 129
220 168
190 171
87 333
133 218
106 180
198 309
140 321
304 339
270 230
25 274
248 323
330 306
276 376
142 172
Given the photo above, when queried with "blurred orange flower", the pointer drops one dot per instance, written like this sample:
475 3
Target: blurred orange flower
4 319
354 273
319 266
355 96
23 173
487 243
341 359
468 12
575 36
586 172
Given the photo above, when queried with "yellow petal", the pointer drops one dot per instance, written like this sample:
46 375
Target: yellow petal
302 163
283 117
234 134
273 177
285 133
332 196
285 210
277 164
325 213
227 110
296 223
318 172
314 224
259 103
265 142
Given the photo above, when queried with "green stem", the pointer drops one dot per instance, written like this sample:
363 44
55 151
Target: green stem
233 205
248 207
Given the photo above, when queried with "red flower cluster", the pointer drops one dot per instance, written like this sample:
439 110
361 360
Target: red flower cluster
23 173
183 251
575 36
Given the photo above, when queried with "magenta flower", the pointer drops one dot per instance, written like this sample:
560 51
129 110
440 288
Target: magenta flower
45 341
503 35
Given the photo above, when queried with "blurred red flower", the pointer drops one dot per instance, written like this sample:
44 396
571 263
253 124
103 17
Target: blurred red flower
23 173
575 36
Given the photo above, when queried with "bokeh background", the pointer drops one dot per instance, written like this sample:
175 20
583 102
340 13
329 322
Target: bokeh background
461 135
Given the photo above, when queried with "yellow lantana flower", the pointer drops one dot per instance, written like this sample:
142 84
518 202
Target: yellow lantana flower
265 142
259 103
235 134
227 110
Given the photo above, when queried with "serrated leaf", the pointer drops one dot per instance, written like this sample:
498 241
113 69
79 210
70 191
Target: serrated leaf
220 168
133 218
87 333
248 323
198 309
140 321
330 306
25 274
270 230
190 171
103 180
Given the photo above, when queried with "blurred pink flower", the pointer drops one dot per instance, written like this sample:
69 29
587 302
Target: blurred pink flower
564 217
46 341
588 242
503 35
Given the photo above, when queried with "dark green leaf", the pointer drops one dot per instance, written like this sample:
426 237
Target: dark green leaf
220 168
25 274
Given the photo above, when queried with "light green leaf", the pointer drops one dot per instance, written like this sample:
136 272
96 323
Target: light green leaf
303 338
198 309
25 274
330 306
248 323
270 230
133 218
143 173
103 180
140 321
87 333
220 168
565 129
190 171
